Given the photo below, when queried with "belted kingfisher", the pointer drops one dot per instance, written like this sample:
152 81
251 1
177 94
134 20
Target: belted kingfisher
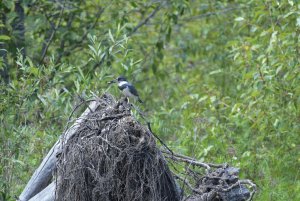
127 88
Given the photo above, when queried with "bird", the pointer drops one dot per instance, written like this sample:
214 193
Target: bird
127 88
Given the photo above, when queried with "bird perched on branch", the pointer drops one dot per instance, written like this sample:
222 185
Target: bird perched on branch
127 88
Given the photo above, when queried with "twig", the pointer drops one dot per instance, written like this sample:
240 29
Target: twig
192 159
62 42
104 140
145 21
187 184
149 127
44 51
210 14
118 116
193 162
252 185
78 105
238 183
99 63
98 15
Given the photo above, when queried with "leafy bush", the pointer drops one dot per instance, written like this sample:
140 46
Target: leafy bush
220 80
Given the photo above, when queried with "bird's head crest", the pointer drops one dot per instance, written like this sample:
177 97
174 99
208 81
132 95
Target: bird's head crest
121 78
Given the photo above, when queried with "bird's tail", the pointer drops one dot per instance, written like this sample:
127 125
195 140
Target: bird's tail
140 100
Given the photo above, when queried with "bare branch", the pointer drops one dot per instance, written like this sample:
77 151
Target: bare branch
209 14
145 21
193 162
44 51
192 159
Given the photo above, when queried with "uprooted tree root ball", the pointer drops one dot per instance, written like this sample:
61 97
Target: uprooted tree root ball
113 157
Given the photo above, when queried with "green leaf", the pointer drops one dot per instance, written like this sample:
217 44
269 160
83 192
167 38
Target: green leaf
291 2
298 22
81 73
111 36
9 4
239 19
34 70
202 99
215 72
4 37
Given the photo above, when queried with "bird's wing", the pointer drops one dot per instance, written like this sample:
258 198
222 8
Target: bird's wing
132 89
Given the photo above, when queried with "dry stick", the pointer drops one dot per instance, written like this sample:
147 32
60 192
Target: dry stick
117 116
246 181
192 159
252 185
193 162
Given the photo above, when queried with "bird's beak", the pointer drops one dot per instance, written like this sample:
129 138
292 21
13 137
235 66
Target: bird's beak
111 82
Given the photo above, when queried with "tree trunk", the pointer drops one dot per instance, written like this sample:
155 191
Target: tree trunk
3 51
19 27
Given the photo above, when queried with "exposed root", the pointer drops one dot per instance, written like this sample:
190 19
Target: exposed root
216 183
112 157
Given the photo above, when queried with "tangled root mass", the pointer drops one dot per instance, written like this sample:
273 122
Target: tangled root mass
113 157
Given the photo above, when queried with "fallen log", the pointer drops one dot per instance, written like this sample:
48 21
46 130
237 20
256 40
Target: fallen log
47 194
43 174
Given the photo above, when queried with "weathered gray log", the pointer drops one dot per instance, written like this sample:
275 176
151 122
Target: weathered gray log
48 194
43 174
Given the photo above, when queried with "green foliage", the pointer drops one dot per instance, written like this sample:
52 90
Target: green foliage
220 80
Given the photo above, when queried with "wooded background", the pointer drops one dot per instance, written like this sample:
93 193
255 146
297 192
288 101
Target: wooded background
220 79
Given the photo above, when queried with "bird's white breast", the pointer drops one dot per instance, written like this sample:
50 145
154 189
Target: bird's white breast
126 90
122 83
